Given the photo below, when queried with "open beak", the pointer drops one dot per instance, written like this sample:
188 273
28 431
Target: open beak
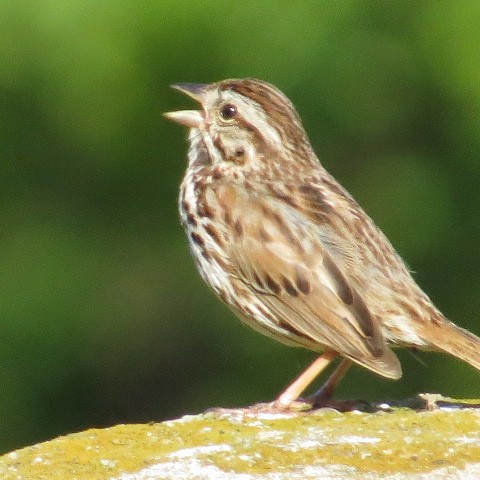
189 118
193 90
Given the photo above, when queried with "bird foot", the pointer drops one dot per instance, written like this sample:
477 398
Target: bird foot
273 408
309 404
324 399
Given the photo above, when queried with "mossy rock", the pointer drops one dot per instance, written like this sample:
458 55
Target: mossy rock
390 443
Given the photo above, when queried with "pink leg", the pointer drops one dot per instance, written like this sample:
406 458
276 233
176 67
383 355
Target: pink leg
290 394
326 391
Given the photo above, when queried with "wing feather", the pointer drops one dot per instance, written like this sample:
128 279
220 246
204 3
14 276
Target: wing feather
284 259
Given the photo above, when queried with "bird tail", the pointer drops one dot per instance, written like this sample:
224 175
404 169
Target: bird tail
456 341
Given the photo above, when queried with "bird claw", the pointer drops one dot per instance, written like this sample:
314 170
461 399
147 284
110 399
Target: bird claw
273 408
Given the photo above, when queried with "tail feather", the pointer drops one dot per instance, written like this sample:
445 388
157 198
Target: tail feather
458 342
387 364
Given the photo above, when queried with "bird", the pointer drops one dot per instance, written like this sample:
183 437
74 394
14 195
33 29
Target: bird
289 250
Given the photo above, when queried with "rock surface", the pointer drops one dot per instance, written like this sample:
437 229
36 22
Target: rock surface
391 443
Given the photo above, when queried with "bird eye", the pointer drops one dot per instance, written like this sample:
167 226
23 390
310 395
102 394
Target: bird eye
228 111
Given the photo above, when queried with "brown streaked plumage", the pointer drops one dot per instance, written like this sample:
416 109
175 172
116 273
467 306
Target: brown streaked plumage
288 248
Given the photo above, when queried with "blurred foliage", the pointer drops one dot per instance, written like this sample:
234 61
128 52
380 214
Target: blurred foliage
104 319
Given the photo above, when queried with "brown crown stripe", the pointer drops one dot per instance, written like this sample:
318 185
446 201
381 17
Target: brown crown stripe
281 112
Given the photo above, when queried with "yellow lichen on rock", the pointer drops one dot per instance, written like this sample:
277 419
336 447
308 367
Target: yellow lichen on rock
401 443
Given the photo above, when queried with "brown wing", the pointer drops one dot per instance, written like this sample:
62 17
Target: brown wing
282 257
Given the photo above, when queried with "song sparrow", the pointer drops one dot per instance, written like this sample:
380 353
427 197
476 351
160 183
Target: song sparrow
288 249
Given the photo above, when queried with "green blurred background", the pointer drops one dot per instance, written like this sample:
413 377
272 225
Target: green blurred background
103 316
